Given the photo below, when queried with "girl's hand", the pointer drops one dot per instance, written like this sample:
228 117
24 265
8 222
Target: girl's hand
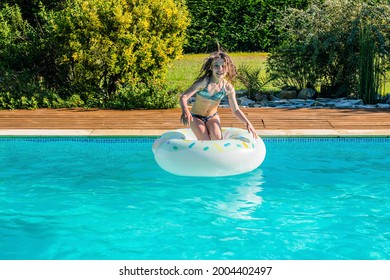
252 130
186 119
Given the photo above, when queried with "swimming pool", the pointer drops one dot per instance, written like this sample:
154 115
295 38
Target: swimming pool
106 198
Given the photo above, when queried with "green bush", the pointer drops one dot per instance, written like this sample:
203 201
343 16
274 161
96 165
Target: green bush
373 53
30 8
79 53
238 25
150 94
17 67
253 79
104 44
320 45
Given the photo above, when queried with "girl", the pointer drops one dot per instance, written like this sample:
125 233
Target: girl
212 84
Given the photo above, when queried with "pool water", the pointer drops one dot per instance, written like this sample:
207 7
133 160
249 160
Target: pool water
106 198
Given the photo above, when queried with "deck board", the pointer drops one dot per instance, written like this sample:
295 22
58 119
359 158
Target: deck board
261 118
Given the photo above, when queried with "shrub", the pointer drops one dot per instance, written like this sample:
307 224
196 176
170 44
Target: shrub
81 54
373 51
151 95
17 67
253 80
321 44
104 44
30 8
238 25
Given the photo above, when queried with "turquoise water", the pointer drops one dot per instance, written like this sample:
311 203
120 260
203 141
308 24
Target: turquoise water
106 198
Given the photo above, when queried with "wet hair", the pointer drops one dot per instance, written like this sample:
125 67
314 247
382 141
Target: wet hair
206 70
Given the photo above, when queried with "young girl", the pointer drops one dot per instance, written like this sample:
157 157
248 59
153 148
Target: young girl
212 84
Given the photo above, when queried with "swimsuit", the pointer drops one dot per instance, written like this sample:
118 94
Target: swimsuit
204 119
216 97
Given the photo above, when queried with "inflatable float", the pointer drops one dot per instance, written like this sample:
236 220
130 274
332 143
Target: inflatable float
180 153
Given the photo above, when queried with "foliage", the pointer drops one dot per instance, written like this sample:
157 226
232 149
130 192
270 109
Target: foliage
238 25
372 72
320 45
81 54
18 68
104 44
150 94
253 80
30 8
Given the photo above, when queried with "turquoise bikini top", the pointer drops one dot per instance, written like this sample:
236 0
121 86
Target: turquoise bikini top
216 97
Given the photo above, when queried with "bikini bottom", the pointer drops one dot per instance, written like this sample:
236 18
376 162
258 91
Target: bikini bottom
204 119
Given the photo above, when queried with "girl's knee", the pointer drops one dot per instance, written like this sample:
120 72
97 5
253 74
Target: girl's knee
214 129
200 131
215 132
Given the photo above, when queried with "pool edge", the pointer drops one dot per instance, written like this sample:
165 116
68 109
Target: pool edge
156 132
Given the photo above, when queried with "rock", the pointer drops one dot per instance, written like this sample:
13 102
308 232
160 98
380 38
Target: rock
245 101
240 92
342 103
260 97
272 101
307 93
289 88
386 99
368 106
330 105
287 94
272 97
355 102
224 102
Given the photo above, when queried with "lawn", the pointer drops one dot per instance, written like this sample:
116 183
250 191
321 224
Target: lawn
184 71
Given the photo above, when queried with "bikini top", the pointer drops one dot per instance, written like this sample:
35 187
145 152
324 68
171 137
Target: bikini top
216 97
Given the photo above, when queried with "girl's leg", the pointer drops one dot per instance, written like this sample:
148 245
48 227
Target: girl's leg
200 130
214 128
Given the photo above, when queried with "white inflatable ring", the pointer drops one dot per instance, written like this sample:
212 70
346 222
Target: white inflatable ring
179 152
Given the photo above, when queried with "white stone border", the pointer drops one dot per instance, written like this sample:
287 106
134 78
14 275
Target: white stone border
261 132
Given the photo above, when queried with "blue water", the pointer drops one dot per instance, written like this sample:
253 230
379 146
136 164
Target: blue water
106 198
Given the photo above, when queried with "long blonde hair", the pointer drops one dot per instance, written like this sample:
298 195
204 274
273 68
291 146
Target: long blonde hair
205 71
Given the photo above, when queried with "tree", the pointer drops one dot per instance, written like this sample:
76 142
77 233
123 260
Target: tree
30 8
93 52
104 44
238 25
320 45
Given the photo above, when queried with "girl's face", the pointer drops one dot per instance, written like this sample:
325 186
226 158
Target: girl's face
218 67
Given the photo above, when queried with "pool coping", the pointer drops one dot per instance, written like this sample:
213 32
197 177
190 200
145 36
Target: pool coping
157 132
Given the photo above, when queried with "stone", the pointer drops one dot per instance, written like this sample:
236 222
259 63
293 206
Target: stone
355 102
386 99
287 94
260 97
240 92
307 93
288 88
368 106
245 101
273 101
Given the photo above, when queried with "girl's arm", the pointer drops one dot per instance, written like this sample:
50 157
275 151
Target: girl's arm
231 93
186 117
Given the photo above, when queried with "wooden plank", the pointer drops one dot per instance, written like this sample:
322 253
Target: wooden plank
297 124
268 118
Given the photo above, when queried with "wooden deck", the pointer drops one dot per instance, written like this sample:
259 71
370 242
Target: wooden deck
265 120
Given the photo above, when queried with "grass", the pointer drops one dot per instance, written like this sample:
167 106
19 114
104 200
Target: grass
183 72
